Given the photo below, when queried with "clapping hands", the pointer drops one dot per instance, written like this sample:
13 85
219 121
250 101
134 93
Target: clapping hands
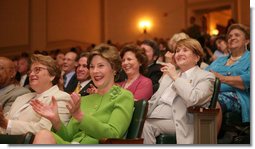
74 106
48 111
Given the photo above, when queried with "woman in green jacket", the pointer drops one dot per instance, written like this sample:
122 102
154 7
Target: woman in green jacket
105 114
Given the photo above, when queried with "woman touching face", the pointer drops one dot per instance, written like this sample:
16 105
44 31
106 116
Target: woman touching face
185 58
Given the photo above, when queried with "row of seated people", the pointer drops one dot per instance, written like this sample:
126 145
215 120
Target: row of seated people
107 111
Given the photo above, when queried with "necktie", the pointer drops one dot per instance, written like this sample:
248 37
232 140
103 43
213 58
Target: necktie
78 88
64 78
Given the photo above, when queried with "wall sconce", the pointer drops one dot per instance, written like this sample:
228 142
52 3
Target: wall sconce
145 25
214 32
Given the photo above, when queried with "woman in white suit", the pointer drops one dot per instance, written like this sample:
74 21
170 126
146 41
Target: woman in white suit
43 77
179 89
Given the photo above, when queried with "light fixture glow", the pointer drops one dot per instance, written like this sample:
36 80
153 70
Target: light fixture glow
215 32
145 25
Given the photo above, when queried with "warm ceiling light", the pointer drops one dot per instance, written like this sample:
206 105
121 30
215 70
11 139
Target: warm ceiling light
145 25
215 32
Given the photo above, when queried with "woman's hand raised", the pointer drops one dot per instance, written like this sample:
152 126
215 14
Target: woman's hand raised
74 106
48 111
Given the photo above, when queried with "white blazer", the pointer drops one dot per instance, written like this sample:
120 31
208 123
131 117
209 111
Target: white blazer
195 90
22 117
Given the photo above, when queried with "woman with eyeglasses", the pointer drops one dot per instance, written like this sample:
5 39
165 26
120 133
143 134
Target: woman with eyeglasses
43 77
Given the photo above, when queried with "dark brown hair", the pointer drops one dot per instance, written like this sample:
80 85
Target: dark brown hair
240 27
139 54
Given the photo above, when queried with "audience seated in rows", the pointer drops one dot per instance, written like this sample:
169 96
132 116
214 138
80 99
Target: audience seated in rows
104 114
43 77
9 86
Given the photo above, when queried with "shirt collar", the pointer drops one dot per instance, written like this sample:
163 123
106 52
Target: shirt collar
189 72
84 83
70 74
50 92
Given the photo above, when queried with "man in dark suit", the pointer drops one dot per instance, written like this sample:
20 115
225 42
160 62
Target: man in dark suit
153 69
83 77
70 78
23 67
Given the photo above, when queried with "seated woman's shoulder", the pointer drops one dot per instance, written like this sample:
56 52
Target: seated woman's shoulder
21 90
62 95
207 74
145 79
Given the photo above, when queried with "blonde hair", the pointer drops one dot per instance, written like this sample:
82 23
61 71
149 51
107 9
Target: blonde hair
175 38
179 36
194 45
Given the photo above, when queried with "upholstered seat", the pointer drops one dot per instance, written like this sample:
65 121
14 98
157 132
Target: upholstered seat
17 139
135 129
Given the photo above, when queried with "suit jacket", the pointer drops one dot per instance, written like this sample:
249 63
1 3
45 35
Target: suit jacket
83 91
9 94
26 83
22 118
195 90
71 84
154 73
105 116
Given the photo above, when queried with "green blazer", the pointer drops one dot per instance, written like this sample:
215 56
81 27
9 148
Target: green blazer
106 116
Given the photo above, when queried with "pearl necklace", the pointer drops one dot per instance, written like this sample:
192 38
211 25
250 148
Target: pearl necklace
235 58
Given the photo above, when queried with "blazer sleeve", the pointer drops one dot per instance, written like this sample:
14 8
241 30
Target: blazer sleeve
8 101
197 93
39 123
22 127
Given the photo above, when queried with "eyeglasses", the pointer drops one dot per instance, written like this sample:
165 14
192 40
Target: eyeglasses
36 70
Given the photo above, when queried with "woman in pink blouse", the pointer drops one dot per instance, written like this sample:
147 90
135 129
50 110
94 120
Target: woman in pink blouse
134 61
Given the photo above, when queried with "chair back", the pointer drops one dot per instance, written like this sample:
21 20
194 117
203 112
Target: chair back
17 139
215 94
136 126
